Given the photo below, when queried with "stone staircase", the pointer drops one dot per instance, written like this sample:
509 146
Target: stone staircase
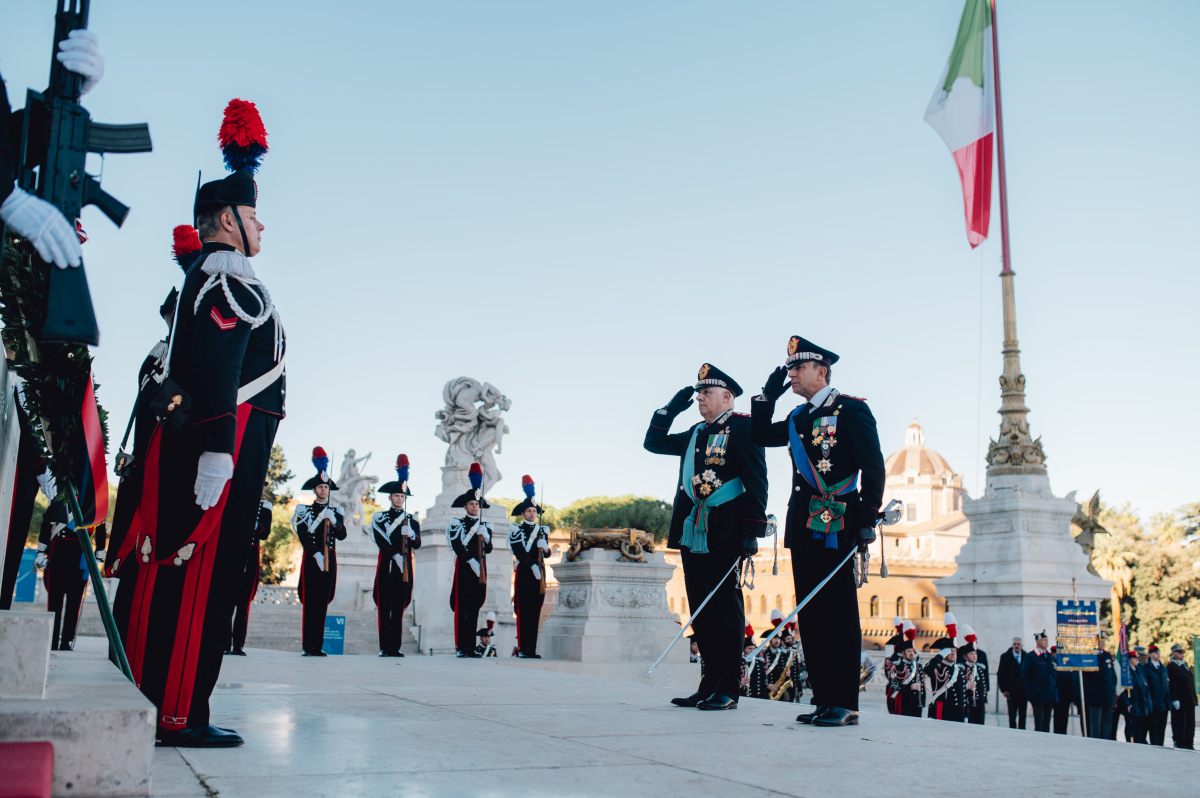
100 725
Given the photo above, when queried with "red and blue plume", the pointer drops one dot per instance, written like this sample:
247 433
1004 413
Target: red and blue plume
402 468
186 244
528 486
243 137
475 475
320 460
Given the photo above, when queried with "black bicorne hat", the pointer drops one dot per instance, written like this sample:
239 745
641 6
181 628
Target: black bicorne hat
475 477
801 349
529 488
400 483
709 376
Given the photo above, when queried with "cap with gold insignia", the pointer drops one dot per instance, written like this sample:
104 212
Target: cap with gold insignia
801 349
709 376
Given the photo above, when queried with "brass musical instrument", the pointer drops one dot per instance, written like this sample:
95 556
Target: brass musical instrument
781 687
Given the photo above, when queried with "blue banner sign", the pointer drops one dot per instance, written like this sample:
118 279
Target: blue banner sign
335 634
1077 635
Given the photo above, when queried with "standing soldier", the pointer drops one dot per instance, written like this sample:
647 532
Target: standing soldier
1183 700
1039 681
907 682
975 678
319 527
530 543
249 582
471 539
65 574
832 438
889 667
219 406
947 699
130 467
719 514
397 534
746 672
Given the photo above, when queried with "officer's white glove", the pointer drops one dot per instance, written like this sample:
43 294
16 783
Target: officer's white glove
40 560
474 566
396 558
212 472
49 487
537 572
1174 705
44 226
99 555
328 514
80 53
543 545
320 558
487 533
409 533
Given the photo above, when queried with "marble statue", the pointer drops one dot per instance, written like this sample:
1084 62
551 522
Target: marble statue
473 427
353 488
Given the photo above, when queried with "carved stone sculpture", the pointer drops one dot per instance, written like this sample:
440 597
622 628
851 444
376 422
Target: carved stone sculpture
472 425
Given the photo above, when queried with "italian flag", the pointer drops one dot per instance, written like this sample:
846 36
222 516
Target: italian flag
963 112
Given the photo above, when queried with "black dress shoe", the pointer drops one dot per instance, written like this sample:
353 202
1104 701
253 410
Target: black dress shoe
523 655
397 653
808 717
690 701
315 654
836 716
202 737
237 652
717 701
460 654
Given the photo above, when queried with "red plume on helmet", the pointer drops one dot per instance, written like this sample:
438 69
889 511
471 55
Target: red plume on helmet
186 244
242 136
951 626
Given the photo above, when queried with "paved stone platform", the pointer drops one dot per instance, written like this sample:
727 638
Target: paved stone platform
439 726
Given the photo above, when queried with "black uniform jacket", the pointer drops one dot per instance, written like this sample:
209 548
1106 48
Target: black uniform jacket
743 517
308 529
390 543
856 450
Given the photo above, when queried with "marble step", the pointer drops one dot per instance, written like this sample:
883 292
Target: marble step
101 726
24 652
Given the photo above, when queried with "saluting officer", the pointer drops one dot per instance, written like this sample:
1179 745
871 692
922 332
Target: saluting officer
719 514
319 527
397 534
471 539
833 439
530 543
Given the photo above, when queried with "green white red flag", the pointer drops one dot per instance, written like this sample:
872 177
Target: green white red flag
963 112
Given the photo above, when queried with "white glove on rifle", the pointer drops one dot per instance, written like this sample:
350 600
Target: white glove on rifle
44 226
80 53
320 558
408 532
49 487
212 472
543 545
487 533
329 515
40 560
474 566
99 555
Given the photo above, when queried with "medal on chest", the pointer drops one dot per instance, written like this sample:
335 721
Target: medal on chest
824 436
715 449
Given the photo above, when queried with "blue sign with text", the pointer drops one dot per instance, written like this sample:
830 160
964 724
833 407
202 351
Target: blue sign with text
335 634
1077 635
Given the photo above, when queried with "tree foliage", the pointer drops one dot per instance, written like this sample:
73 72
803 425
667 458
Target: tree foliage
1155 568
635 512
280 546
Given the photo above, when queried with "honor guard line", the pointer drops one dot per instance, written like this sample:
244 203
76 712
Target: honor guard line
887 517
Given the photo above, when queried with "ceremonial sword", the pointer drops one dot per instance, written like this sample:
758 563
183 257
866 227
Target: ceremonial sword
695 612
889 516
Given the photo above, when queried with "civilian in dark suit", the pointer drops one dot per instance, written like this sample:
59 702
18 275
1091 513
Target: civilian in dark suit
1039 680
1158 693
1008 678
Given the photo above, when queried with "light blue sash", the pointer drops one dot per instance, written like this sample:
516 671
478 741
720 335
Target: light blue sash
695 526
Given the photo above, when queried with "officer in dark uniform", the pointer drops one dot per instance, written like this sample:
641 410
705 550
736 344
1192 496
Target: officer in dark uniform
397 534
130 466
778 660
486 648
249 581
947 686
220 405
833 440
719 514
530 543
471 539
907 681
975 681
65 574
319 527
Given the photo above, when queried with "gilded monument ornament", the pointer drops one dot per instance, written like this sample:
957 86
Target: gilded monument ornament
632 543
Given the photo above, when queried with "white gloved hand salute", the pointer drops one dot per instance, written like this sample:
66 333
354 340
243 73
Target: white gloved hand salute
44 226
80 53
212 472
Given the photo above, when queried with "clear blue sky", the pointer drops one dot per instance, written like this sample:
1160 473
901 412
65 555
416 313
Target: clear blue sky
580 202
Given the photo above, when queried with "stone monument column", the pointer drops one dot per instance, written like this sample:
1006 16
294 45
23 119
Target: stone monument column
472 425
1020 557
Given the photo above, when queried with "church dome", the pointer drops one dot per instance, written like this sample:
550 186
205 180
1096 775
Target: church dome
915 459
